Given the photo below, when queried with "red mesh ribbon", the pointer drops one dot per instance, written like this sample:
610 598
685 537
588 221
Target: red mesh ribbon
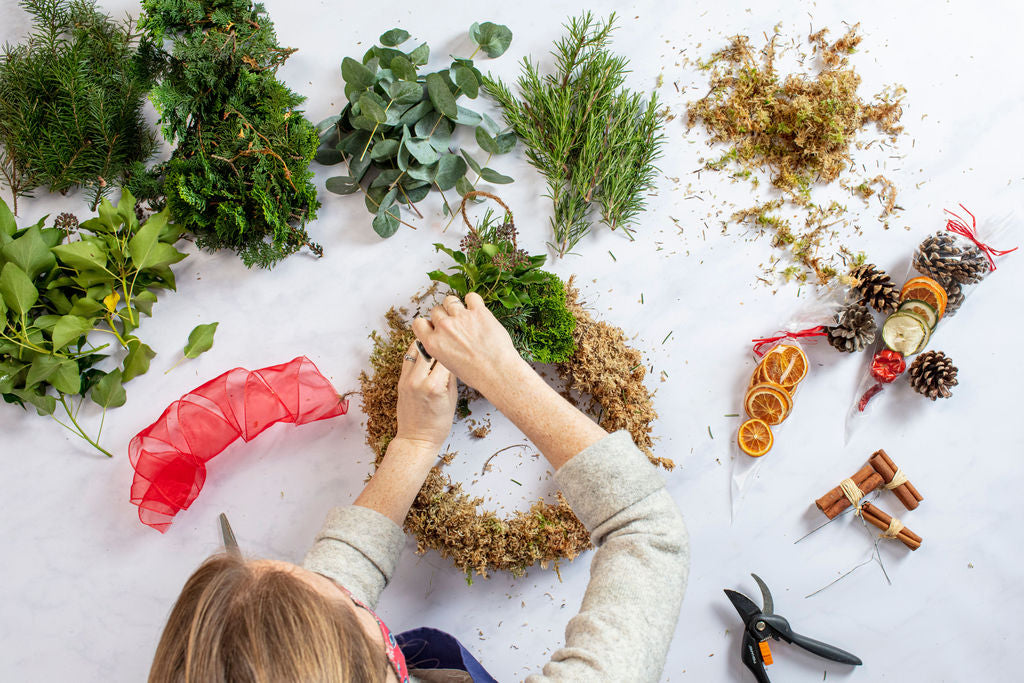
759 344
959 226
170 455
886 366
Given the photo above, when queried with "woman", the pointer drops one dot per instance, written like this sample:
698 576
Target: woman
269 621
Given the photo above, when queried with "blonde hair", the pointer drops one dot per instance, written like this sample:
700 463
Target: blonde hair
238 623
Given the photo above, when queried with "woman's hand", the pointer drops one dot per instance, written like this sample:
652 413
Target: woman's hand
469 341
426 401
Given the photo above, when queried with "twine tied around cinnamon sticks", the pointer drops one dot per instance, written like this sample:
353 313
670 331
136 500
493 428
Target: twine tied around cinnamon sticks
880 471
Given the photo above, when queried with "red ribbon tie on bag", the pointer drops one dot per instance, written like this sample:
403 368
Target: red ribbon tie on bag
959 226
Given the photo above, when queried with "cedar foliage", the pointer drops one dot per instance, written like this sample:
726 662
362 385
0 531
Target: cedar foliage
239 177
71 101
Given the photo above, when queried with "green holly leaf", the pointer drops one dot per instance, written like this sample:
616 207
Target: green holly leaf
200 340
395 36
441 96
17 289
137 361
109 391
68 329
492 38
356 75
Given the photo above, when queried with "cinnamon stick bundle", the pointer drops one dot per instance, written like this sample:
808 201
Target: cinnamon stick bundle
884 465
875 517
835 501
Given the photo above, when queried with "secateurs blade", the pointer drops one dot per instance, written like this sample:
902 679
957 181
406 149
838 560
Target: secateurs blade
761 623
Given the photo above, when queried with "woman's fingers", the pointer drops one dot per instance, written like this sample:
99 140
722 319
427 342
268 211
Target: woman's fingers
452 305
474 301
422 328
437 314
439 375
414 365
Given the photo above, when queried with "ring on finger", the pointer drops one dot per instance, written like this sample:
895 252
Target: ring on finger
452 301
410 358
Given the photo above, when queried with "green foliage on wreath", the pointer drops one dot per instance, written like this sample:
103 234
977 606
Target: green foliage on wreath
71 101
61 287
239 178
529 302
395 134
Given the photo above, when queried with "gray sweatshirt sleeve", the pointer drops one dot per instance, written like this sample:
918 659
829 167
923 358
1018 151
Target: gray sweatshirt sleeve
357 548
638 574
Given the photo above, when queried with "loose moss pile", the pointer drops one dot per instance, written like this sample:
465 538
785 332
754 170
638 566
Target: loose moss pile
446 518
800 127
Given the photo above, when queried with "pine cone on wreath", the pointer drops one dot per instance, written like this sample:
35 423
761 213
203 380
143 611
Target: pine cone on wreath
875 288
954 296
854 329
946 257
932 374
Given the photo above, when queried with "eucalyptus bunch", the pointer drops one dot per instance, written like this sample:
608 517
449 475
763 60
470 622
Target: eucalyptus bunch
529 302
594 141
395 133
71 101
64 289
239 177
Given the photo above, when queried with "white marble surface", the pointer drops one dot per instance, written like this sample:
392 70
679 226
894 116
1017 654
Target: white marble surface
85 587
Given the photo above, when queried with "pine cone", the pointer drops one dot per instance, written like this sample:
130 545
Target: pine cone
932 374
954 296
854 329
876 289
945 256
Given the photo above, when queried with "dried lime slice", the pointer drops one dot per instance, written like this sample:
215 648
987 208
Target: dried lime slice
905 332
923 309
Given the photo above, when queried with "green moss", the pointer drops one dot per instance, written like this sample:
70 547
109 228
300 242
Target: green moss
549 333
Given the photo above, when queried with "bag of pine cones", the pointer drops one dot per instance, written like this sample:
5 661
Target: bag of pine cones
944 270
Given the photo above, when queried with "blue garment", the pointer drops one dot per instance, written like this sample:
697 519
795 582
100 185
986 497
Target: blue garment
428 648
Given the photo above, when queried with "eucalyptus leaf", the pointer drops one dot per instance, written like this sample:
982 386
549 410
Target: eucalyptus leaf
109 391
384 149
492 176
421 150
468 117
440 96
505 142
200 340
370 107
449 169
463 186
328 156
420 55
395 36
472 162
492 38
418 192
486 142
405 92
402 68
415 113
423 172
356 74
342 184
328 123
466 80
385 223
17 289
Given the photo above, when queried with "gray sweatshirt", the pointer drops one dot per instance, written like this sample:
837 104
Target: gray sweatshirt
637 576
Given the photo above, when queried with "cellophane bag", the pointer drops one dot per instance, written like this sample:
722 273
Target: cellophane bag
944 271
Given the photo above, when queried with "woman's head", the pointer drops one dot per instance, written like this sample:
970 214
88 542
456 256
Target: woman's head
242 621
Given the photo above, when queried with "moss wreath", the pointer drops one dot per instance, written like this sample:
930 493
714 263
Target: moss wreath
604 369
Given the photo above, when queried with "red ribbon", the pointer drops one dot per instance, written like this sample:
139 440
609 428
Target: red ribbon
959 226
886 366
816 331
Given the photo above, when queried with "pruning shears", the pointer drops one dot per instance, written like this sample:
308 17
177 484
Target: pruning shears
760 624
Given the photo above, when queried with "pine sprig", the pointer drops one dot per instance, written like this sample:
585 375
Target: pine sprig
594 141
71 99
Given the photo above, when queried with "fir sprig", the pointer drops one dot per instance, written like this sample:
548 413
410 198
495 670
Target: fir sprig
593 140
71 101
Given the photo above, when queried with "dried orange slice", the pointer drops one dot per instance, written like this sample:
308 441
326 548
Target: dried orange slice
784 365
768 402
755 437
927 290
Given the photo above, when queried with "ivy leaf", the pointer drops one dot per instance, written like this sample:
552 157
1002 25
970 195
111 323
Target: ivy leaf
137 361
17 289
342 184
44 403
420 55
466 80
146 249
492 176
30 253
143 301
441 96
109 391
403 69
85 306
385 223
82 255
9 373
68 329
8 226
449 169
356 75
200 340
492 38
62 374
395 36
